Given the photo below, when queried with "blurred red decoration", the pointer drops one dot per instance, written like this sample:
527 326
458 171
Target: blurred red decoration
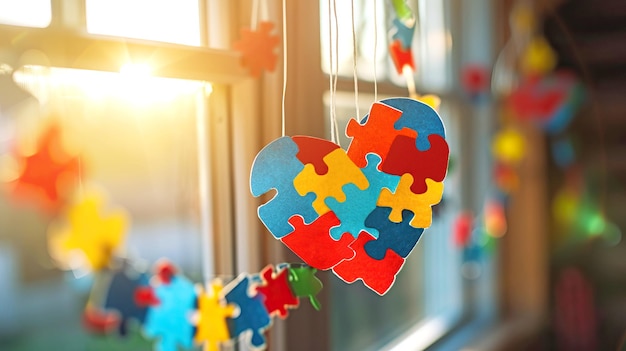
463 229
475 79
257 48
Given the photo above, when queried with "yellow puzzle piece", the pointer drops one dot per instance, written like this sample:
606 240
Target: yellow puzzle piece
405 199
539 58
87 230
212 314
341 171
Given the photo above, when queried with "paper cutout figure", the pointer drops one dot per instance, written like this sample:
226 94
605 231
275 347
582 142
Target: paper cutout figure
124 285
96 235
169 321
258 48
275 167
401 237
304 283
252 317
397 158
47 176
313 243
277 292
401 57
378 275
212 327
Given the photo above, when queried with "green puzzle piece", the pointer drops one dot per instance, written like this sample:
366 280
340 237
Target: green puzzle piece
304 283
403 11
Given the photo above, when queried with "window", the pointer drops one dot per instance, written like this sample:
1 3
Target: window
29 13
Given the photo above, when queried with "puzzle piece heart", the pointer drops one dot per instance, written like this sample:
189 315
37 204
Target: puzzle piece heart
359 211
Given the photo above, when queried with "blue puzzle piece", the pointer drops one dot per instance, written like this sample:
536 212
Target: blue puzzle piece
120 297
418 116
399 237
403 33
275 167
169 320
360 203
252 315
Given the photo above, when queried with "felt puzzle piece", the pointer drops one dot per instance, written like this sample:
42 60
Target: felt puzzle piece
312 150
169 321
313 244
120 297
404 199
401 237
304 283
275 167
404 158
403 11
252 317
378 275
360 203
258 48
341 171
536 99
419 117
95 234
212 327
403 32
278 296
47 175
376 134
401 57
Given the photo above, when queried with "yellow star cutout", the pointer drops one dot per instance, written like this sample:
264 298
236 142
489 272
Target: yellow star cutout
212 315
90 233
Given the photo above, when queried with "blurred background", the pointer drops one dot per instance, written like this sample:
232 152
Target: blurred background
146 107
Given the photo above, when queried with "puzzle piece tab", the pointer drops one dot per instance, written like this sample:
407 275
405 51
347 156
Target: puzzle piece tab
378 275
169 320
212 327
304 283
360 203
404 157
375 135
401 237
120 297
341 171
277 292
312 150
275 167
252 317
313 244
419 117
405 199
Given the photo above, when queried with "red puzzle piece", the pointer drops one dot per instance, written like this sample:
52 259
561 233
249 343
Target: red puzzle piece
532 101
257 48
49 173
312 150
404 157
377 135
378 275
277 292
313 244
401 57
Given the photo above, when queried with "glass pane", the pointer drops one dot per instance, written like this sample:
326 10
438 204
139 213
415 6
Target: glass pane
28 13
172 21
137 139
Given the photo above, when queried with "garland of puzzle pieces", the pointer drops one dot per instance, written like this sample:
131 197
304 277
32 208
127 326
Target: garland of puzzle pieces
358 212
86 237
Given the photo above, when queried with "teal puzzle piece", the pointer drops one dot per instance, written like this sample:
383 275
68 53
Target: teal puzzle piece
401 237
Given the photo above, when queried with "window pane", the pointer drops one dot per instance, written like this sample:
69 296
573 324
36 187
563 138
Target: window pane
28 13
172 21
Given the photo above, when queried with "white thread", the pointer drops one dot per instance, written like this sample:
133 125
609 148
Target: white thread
375 51
284 64
407 72
264 11
330 76
354 71
336 72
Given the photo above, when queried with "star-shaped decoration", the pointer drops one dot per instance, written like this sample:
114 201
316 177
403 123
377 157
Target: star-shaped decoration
212 327
257 48
47 176
89 238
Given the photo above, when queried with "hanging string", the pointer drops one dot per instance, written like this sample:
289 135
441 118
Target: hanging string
336 71
375 49
354 71
284 65
331 92
408 73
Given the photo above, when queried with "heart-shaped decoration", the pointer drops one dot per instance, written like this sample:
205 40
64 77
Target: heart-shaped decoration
358 212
